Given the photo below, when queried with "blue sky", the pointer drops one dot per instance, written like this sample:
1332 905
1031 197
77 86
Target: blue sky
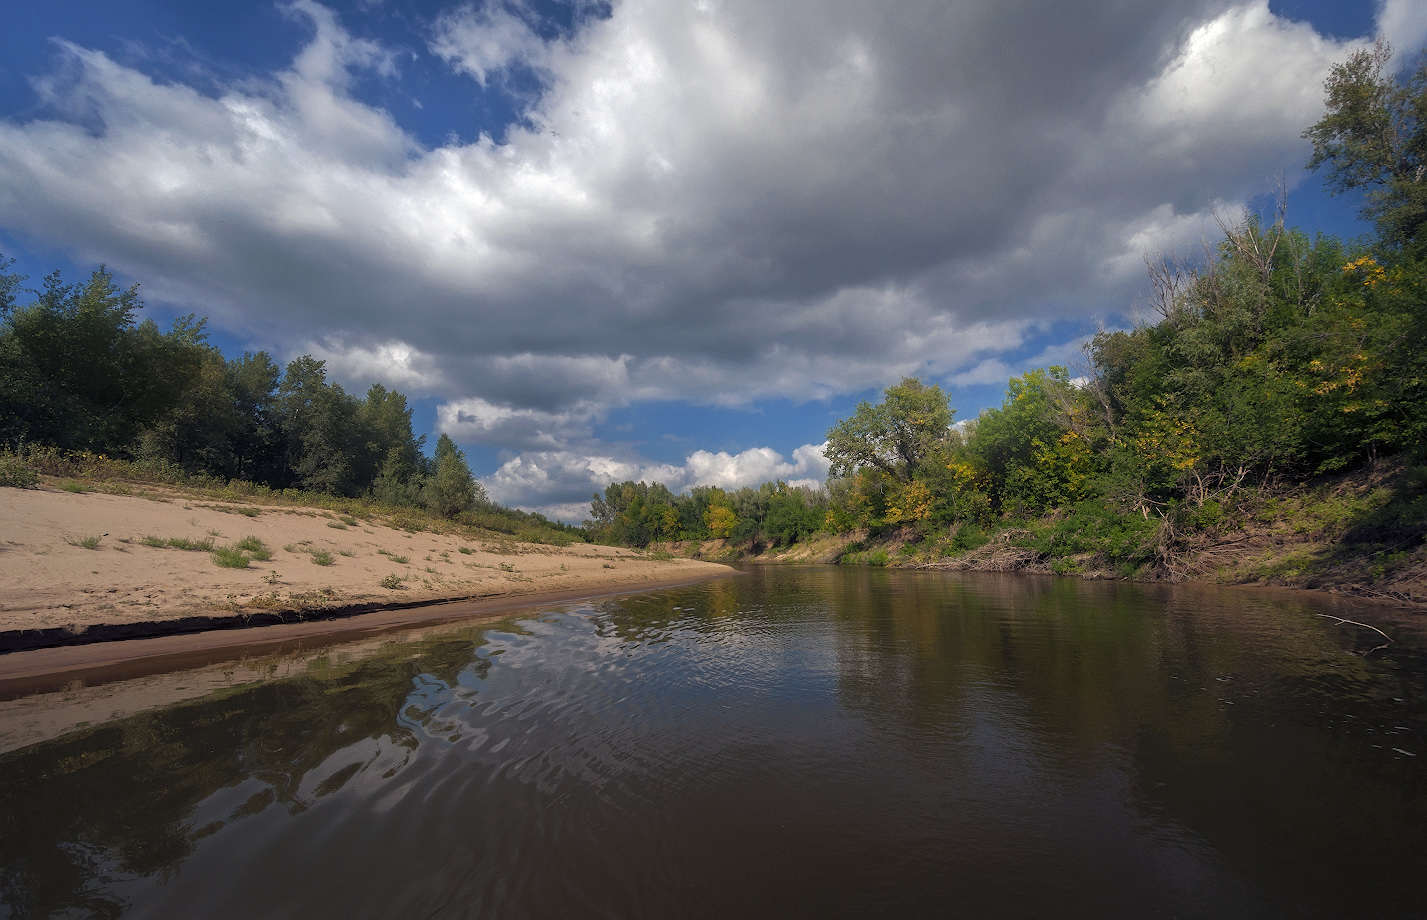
649 238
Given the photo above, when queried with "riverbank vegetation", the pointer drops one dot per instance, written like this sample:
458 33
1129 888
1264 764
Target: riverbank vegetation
90 393
1267 421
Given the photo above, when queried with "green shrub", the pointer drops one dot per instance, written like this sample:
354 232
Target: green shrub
392 581
1093 527
321 557
16 474
966 538
89 542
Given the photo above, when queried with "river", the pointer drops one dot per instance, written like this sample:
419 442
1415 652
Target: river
792 742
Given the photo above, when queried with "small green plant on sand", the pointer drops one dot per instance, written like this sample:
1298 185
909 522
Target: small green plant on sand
201 546
349 553
230 557
399 560
89 542
336 525
392 581
321 557
255 548
465 550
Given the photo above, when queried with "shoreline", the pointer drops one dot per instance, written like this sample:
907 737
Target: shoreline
18 641
104 660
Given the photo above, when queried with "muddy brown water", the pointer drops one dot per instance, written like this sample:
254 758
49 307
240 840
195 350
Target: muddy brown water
797 742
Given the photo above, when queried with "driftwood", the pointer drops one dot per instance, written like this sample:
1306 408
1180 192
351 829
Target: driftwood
1342 622
997 556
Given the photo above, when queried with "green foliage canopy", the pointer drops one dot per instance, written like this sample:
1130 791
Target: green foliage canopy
895 435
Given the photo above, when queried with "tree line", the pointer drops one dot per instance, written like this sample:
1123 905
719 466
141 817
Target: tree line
1273 359
79 372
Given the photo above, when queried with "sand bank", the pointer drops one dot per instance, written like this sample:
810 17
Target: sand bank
55 590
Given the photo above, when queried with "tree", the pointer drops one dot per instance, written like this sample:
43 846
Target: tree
257 448
451 488
790 516
9 285
895 436
1374 138
76 370
319 421
720 521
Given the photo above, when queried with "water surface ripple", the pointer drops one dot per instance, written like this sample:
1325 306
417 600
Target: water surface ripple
809 742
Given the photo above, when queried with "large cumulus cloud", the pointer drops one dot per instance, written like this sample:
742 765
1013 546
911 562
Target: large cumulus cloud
717 201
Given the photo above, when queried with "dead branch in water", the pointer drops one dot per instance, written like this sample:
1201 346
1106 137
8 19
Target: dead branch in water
1342 622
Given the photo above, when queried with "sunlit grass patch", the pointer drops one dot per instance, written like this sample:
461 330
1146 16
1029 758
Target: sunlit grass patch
255 548
203 546
321 557
89 542
230 557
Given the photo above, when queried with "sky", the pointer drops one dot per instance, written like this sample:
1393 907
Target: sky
669 240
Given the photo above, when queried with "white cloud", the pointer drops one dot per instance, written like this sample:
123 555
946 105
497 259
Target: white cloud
559 483
488 39
476 421
395 365
1404 24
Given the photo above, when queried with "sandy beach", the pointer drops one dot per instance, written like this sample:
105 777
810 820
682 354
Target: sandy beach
60 585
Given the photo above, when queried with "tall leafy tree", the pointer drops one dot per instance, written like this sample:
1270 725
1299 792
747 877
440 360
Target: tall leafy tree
451 488
895 435
77 370
1374 137
319 422
258 449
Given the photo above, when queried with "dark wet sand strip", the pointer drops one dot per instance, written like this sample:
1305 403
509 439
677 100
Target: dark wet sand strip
45 670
